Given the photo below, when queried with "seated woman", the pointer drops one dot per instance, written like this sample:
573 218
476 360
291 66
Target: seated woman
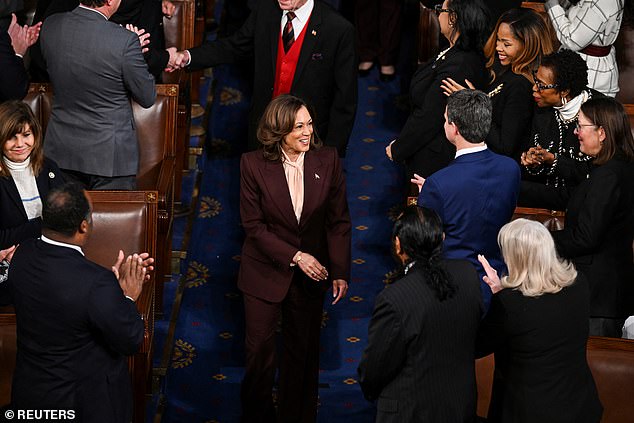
514 50
422 145
419 362
537 327
26 175
600 216
553 164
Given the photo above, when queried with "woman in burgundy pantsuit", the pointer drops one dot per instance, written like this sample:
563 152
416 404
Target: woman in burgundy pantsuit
295 216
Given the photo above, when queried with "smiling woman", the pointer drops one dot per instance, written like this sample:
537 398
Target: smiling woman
26 175
295 216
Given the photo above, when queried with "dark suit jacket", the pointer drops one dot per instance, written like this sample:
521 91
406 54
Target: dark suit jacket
541 372
419 361
474 196
91 129
598 237
14 224
326 75
273 235
512 114
14 82
422 144
75 328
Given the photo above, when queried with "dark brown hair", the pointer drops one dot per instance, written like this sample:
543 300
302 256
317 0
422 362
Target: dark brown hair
14 116
528 28
277 121
609 114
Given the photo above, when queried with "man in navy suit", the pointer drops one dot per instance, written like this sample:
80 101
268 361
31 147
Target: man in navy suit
76 321
476 194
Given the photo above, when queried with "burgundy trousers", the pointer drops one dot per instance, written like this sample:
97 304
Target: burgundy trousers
301 314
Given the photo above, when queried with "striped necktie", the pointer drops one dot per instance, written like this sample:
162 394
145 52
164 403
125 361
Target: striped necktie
288 37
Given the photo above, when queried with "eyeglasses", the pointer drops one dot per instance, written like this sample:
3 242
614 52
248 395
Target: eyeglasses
578 125
438 10
540 86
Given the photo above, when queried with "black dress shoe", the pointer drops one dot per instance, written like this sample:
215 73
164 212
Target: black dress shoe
387 77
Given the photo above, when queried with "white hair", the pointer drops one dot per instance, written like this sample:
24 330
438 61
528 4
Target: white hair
532 261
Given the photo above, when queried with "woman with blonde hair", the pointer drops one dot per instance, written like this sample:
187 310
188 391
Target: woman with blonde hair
537 327
514 50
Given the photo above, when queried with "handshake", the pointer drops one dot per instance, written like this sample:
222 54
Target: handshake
177 60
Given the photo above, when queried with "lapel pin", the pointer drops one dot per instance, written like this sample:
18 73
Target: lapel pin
316 176
314 32
51 175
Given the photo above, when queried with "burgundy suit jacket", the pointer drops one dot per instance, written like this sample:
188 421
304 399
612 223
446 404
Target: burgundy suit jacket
273 235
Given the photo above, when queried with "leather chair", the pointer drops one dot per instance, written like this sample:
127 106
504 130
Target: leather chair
156 132
552 219
428 34
127 220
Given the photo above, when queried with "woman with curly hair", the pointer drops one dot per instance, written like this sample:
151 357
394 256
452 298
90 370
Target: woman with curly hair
514 50
295 217
554 164
419 361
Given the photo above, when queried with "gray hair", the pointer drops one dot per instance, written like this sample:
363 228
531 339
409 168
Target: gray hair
470 111
532 261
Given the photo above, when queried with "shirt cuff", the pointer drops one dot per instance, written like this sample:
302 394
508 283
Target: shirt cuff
130 298
189 57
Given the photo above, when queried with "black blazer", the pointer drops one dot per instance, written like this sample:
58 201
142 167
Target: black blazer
541 372
598 237
422 144
14 224
512 101
14 81
326 75
75 328
419 361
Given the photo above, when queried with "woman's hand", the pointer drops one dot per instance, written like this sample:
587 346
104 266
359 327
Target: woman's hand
339 289
311 266
419 181
449 86
7 254
530 158
144 37
491 277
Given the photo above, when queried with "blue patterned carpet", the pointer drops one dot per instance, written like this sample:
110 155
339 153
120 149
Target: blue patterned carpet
203 380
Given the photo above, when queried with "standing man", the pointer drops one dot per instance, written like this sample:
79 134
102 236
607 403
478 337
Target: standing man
95 67
301 47
476 194
75 322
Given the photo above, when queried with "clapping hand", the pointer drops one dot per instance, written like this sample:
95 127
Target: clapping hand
146 260
177 59
22 37
132 274
492 279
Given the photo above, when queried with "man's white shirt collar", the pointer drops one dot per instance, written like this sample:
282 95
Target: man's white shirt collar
94 10
301 16
470 150
62 244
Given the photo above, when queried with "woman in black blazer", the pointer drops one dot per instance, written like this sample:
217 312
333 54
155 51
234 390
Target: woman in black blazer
26 175
514 51
537 327
600 215
422 145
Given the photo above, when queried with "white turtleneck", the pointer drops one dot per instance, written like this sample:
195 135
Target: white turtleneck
24 180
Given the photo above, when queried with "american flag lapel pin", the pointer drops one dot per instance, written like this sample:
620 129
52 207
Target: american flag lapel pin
314 32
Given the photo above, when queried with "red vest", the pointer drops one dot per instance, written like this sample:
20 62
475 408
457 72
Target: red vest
287 64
